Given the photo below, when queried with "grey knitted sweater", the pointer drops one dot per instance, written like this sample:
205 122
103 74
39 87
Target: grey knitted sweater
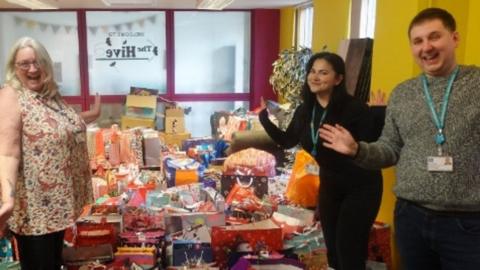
408 138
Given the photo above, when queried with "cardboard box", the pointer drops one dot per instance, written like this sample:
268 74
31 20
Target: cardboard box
174 120
141 91
174 139
141 106
131 122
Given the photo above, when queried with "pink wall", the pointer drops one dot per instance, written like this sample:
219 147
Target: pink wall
265 46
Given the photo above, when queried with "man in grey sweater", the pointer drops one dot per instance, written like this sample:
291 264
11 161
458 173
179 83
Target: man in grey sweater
432 134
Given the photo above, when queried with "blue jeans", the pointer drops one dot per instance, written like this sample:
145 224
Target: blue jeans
434 240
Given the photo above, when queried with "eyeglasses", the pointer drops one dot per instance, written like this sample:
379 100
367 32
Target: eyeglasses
26 65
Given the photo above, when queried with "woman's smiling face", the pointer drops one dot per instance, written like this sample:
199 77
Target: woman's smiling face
28 70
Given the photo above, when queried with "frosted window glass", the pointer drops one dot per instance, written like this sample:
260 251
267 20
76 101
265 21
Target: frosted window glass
57 31
126 49
197 122
212 52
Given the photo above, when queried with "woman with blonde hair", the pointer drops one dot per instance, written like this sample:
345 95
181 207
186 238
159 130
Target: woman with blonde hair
44 170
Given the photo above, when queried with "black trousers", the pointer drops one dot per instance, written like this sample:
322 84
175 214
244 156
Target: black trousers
40 252
347 209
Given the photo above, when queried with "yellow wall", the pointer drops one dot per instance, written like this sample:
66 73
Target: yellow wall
287 28
330 23
471 37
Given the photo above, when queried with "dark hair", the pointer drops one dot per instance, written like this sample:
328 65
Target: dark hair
339 92
432 14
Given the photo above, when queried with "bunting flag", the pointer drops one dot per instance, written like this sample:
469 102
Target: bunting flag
105 29
55 28
152 19
93 29
33 24
43 26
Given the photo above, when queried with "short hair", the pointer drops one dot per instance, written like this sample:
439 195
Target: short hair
429 14
50 87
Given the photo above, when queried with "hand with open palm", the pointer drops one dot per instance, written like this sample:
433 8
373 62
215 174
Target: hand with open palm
339 139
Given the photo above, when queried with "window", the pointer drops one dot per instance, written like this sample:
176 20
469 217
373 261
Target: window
212 52
126 49
304 23
367 19
199 59
362 24
197 121
57 31
212 57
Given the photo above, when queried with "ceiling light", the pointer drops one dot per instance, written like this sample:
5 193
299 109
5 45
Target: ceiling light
127 2
213 4
32 4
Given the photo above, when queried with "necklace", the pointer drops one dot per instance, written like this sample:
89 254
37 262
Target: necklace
77 128
61 110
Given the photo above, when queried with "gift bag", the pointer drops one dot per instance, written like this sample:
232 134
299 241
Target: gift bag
93 234
316 260
10 265
218 122
250 161
145 256
292 219
82 255
142 219
277 186
196 233
157 200
258 183
130 238
194 142
244 198
304 181
226 239
175 222
185 252
6 250
182 171
268 264
379 244
372 265
152 149
306 242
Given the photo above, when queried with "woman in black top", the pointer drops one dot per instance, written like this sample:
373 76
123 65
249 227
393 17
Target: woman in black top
349 196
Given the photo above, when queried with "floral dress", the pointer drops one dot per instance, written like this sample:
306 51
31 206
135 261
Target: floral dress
54 180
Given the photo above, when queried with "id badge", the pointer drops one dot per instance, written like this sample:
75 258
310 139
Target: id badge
440 164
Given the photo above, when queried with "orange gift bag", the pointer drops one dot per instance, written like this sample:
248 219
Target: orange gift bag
304 183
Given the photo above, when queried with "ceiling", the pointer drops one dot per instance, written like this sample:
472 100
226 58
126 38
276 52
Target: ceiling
157 4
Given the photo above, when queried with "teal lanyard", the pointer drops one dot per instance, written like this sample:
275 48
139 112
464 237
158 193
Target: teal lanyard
314 133
439 121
